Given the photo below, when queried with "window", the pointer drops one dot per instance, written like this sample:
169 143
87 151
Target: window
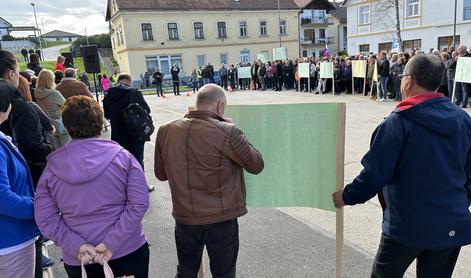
223 58
364 48
163 63
283 30
412 44
120 35
245 56
222 30
263 28
446 42
146 29
364 14
201 60
321 34
385 47
243 29
172 31
466 9
199 32
413 8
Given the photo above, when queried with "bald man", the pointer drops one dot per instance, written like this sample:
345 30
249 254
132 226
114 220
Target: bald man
202 156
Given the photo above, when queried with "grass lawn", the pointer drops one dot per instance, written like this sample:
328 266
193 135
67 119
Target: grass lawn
53 43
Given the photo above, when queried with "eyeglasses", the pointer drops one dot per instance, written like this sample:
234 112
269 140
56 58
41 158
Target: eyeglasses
404 75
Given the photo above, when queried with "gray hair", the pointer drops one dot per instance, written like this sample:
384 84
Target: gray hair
210 94
426 70
70 72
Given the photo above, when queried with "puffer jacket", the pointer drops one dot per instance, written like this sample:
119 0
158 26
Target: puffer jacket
203 157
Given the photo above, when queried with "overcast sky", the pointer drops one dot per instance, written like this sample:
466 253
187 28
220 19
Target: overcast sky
65 15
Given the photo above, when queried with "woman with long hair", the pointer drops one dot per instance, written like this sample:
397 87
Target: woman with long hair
52 102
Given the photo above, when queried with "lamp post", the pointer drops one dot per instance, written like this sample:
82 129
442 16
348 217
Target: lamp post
37 28
454 26
279 22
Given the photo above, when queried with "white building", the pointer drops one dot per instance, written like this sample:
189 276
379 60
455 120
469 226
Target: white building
57 35
4 27
321 28
425 24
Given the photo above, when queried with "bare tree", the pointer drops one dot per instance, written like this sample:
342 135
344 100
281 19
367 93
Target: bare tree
387 13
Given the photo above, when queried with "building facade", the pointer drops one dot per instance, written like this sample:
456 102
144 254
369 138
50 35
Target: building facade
4 27
57 35
147 35
425 24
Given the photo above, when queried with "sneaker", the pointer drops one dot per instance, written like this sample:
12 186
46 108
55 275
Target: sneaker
382 100
47 262
151 188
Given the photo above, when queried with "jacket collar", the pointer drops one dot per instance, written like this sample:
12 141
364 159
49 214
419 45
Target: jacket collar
204 115
417 99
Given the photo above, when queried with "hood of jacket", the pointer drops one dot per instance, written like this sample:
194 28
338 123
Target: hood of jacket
118 92
434 112
43 93
82 160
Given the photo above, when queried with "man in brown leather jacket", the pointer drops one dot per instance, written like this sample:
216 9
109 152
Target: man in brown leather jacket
203 156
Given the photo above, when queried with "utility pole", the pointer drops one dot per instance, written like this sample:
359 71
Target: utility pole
42 26
86 36
37 28
454 26
279 22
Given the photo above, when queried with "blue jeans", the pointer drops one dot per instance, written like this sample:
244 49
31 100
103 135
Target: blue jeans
461 93
450 88
383 90
195 86
205 81
158 89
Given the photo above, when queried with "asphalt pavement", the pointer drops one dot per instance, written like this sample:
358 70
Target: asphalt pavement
285 242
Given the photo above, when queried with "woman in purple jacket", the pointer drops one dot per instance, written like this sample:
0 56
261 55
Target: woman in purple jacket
92 197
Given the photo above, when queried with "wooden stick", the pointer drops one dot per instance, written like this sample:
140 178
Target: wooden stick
341 118
201 272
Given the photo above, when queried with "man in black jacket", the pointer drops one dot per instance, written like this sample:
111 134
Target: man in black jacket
175 79
383 76
158 78
117 99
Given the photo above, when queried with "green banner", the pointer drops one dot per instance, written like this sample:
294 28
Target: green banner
243 72
463 70
304 70
301 145
263 57
327 70
280 53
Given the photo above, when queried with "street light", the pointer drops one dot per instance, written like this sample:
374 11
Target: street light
454 26
37 28
279 22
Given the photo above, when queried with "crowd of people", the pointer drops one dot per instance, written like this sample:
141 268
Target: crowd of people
60 180
49 138
284 75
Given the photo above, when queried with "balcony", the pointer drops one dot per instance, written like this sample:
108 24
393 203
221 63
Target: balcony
307 40
316 21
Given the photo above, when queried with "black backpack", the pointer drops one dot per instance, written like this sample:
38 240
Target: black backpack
137 121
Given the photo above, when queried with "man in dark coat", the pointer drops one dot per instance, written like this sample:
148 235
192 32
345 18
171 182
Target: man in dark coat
175 79
117 99
420 160
24 53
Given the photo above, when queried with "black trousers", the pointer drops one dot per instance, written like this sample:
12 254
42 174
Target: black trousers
176 87
136 263
38 266
136 148
393 259
222 244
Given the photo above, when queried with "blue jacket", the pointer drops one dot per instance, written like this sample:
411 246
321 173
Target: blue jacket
16 198
420 158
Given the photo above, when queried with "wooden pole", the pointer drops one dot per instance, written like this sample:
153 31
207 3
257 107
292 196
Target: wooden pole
201 272
339 227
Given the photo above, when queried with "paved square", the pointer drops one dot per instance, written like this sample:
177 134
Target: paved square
287 242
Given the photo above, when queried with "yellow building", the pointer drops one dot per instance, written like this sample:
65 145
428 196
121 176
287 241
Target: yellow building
158 34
